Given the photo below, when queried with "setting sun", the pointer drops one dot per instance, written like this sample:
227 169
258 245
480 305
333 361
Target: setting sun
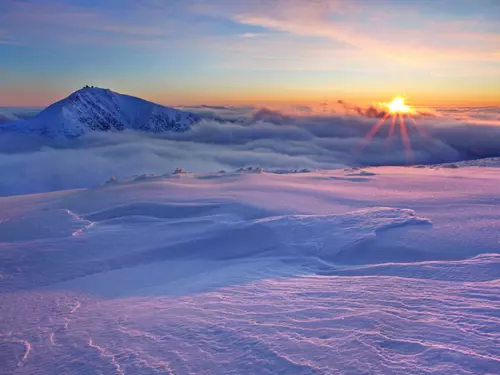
398 106
397 109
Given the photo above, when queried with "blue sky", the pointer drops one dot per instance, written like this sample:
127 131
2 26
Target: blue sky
221 51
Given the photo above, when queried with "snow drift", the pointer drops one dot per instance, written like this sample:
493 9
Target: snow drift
381 270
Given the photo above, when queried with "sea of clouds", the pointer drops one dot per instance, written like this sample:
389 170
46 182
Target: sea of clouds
229 138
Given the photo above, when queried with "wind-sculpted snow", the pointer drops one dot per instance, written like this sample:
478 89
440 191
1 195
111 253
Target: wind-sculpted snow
209 232
38 225
376 271
327 235
295 325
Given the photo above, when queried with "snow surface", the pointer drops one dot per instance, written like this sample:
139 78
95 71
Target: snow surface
96 109
387 270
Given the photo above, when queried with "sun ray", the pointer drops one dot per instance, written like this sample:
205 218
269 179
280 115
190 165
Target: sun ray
421 130
373 131
391 130
397 109
406 139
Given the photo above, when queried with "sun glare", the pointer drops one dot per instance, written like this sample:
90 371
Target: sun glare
398 106
397 109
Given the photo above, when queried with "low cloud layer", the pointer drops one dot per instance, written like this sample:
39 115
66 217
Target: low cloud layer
230 138
8 114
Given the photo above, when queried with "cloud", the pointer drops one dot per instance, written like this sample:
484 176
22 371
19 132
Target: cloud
376 111
8 114
6 38
127 22
250 35
232 137
382 28
8 42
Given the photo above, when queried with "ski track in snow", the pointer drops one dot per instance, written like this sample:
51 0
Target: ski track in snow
255 274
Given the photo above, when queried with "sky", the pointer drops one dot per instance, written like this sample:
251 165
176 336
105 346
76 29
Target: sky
182 52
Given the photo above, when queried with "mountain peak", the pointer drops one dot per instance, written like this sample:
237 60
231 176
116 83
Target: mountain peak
97 109
92 88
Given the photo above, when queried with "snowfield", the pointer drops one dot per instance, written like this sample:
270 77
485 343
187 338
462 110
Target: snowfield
389 270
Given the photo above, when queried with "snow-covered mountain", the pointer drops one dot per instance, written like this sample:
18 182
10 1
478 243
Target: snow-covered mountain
97 109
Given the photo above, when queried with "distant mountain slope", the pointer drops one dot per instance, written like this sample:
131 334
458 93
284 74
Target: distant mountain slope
96 109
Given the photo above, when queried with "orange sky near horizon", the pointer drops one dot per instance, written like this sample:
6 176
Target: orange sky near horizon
17 98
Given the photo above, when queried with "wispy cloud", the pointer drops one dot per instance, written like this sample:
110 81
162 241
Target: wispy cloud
250 35
5 37
385 29
393 35
3 41
59 21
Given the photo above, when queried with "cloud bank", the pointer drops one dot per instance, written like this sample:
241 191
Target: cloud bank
233 137
8 114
